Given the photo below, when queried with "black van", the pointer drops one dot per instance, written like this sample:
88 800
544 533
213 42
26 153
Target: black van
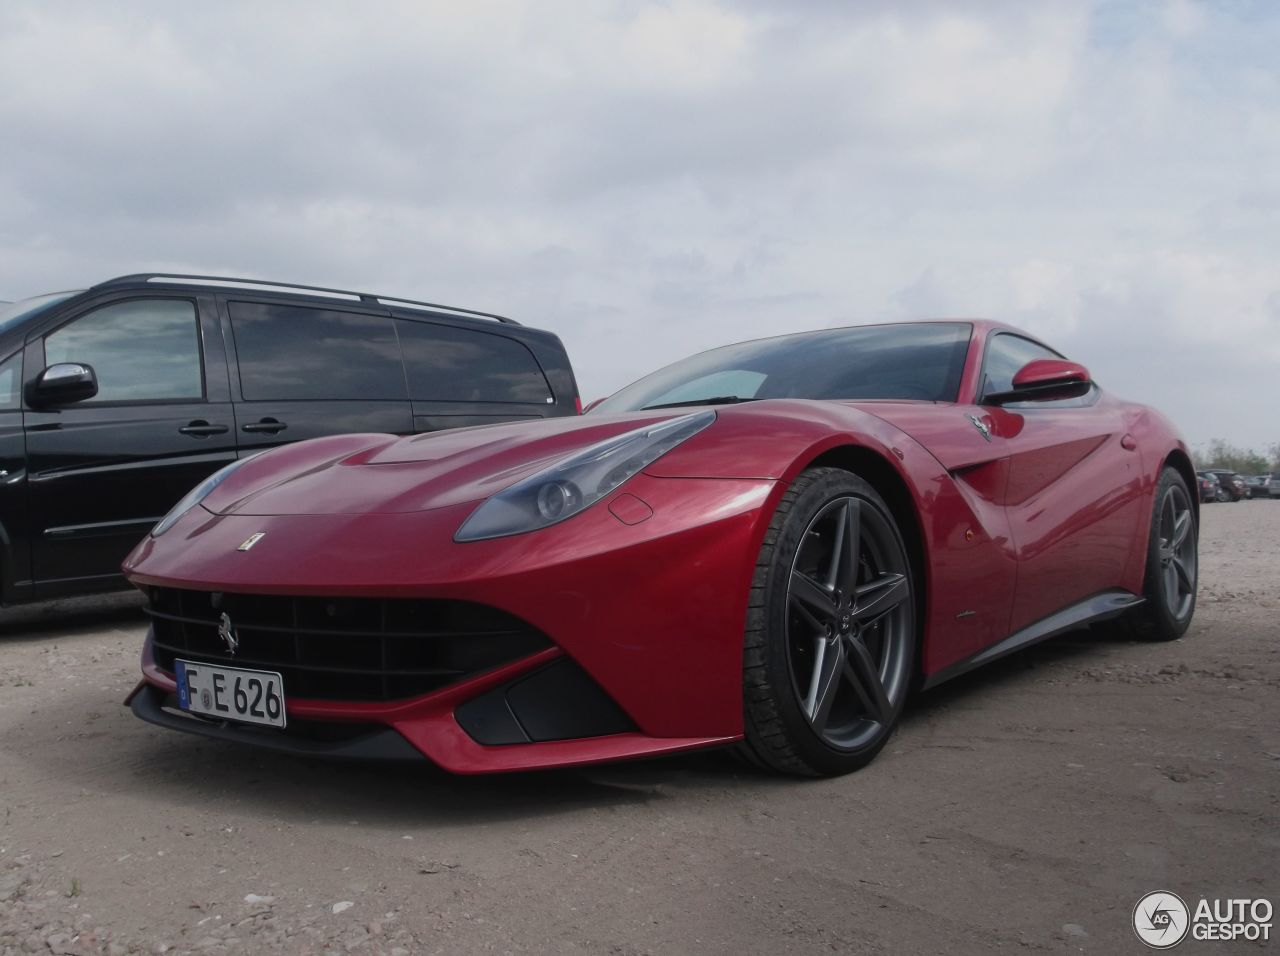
116 400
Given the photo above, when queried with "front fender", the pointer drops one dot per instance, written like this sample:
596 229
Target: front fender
775 439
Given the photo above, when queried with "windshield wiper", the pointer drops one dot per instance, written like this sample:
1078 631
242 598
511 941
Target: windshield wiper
717 400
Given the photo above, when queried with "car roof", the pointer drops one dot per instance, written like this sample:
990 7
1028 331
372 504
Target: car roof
232 283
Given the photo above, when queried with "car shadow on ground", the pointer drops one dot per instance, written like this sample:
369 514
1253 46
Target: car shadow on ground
1084 645
185 770
71 617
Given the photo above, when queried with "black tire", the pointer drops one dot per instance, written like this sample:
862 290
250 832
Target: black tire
830 638
1223 495
1172 562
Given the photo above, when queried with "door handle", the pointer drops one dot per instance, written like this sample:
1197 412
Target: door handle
202 429
268 425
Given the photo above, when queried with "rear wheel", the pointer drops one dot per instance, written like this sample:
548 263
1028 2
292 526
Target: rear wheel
1172 563
830 635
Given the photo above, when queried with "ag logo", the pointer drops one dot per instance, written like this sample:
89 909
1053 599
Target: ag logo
1161 920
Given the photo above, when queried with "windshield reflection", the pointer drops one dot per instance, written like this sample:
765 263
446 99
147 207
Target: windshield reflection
921 361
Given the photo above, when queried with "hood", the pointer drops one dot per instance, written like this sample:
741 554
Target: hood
382 474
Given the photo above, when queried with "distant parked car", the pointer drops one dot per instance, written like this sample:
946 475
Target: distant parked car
1231 487
1259 486
1207 485
1275 485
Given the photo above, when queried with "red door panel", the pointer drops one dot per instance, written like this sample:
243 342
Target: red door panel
974 563
1074 500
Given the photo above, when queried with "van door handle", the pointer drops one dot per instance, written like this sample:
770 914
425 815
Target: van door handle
268 425
202 429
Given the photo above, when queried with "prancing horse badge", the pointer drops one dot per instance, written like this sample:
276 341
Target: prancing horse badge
978 423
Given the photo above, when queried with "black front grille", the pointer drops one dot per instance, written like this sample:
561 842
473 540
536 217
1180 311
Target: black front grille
341 648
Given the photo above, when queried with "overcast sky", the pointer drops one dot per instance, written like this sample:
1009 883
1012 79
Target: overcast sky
648 180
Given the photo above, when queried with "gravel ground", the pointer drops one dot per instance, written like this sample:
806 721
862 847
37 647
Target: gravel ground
1025 807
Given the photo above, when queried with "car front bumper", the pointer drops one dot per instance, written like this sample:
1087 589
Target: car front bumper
646 593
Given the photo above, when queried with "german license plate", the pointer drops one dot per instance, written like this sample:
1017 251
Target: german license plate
232 693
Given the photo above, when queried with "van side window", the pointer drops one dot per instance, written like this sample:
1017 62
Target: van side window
9 370
143 350
290 352
449 364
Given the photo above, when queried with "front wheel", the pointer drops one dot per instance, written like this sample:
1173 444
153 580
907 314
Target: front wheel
830 638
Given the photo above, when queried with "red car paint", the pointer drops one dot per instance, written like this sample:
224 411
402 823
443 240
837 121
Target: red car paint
1017 513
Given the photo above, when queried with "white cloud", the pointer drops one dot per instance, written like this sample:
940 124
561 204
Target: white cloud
649 179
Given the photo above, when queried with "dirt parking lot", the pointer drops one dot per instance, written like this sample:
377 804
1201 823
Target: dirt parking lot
1026 807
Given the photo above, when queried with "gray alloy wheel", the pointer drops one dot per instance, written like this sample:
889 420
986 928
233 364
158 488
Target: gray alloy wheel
1173 565
831 634
1178 553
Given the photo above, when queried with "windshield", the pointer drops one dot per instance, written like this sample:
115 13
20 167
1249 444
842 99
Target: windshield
12 313
912 361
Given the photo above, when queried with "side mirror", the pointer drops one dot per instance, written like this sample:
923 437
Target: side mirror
63 384
1045 380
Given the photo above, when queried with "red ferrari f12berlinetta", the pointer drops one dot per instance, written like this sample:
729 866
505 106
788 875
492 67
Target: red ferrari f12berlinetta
766 545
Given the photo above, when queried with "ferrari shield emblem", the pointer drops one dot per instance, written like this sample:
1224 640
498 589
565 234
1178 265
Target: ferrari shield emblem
250 541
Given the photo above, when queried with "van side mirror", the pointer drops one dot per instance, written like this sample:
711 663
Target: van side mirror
63 384
1045 380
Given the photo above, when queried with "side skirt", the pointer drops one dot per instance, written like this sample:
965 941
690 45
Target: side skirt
1100 607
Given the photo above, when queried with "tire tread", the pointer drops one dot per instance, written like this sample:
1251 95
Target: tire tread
766 743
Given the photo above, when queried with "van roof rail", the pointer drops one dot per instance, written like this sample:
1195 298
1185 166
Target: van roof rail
230 282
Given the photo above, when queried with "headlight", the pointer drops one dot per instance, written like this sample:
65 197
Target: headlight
577 482
195 496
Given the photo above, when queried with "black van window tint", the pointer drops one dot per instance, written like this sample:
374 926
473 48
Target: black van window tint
9 371
13 314
144 350
294 352
449 364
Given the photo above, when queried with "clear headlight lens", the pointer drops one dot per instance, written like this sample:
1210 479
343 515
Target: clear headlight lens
579 481
195 496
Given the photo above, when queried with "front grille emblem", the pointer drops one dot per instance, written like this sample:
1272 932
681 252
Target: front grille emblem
228 634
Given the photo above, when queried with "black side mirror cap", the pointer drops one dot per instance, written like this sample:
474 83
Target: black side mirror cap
63 384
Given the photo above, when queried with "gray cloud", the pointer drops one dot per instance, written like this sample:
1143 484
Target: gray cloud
649 179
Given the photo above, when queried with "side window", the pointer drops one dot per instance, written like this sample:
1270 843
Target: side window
144 350
290 352
9 373
449 364
1006 354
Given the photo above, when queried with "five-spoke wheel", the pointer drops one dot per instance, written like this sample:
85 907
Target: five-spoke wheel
1172 564
1177 550
828 660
